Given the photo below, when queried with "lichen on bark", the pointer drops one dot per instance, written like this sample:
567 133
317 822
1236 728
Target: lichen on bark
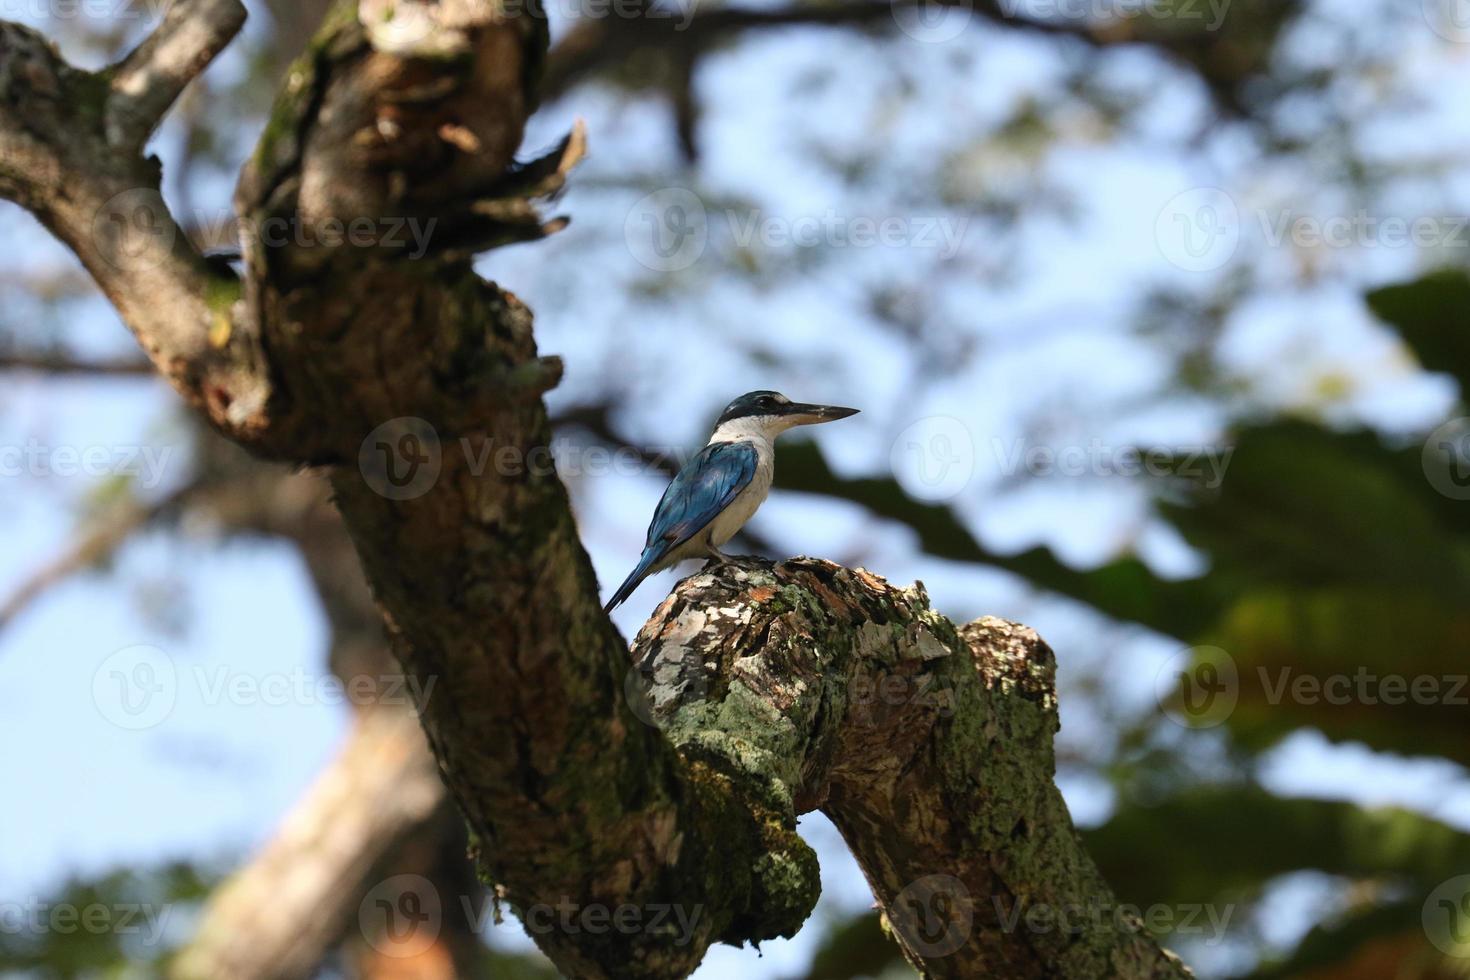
928 745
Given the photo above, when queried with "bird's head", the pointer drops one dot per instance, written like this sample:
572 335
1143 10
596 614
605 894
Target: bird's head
772 413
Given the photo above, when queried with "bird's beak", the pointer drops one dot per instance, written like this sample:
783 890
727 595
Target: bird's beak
812 414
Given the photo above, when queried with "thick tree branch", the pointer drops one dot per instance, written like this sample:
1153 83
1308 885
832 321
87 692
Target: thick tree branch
930 747
297 898
60 157
146 82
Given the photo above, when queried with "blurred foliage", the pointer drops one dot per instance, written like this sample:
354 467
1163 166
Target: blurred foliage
127 923
121 924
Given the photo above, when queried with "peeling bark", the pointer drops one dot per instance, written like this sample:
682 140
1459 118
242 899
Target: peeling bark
929 746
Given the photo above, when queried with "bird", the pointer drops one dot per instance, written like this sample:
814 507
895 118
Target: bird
718 490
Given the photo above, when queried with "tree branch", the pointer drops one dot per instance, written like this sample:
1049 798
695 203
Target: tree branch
61 365
60 158
286 908
153 75
930 748
91 548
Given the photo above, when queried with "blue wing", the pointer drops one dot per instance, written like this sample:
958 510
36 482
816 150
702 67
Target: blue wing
706 485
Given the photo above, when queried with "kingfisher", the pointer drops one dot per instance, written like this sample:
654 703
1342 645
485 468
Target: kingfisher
718 490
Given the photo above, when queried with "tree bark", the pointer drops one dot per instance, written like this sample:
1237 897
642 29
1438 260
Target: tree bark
278 917
929 746
627 848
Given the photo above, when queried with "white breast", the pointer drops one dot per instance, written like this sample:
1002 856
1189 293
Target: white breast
733 518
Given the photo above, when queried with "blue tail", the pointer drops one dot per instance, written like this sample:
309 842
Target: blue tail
639 573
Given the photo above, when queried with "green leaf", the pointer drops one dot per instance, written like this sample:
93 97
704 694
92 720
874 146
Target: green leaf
1433 316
